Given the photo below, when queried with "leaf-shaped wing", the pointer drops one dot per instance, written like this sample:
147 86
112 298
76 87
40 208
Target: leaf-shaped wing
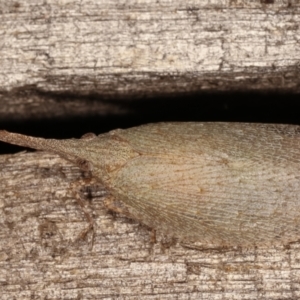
213 185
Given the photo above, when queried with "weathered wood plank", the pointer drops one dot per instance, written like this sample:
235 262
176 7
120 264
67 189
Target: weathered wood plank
40 257
133 49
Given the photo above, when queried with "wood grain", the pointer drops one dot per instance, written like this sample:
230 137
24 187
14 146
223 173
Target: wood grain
54 52
41 258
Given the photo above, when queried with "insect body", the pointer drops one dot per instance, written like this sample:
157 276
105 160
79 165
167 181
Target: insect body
217 183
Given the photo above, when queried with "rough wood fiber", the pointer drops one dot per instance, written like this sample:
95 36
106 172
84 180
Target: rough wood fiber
40 259
110 49
73 45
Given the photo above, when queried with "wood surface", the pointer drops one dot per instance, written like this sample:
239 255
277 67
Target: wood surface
77 57
42 257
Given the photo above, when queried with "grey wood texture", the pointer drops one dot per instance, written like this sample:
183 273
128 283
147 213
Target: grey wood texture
41 257
134 49
52 52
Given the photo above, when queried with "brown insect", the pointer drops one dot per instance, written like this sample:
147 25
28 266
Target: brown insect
217 183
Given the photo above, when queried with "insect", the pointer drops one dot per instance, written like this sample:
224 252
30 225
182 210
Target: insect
216 183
